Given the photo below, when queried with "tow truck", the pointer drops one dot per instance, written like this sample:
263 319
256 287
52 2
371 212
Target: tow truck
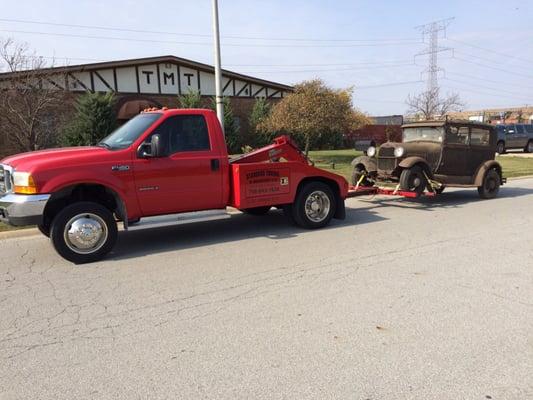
161 162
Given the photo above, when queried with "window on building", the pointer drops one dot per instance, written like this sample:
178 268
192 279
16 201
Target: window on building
479 137
458 135
182 133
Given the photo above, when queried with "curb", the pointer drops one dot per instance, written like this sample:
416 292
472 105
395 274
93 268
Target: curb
18 233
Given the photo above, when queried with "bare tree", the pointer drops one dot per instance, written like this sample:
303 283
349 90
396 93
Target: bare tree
429 104
29 90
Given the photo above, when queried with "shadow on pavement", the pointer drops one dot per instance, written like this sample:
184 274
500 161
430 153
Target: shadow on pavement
452 199
239 226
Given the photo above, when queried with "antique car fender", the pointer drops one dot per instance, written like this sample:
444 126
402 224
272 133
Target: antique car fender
483 168
411 161
369 163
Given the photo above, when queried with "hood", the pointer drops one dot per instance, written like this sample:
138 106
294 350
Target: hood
414 148
70 156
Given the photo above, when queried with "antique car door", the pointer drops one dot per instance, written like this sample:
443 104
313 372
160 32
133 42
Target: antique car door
454 152
480 150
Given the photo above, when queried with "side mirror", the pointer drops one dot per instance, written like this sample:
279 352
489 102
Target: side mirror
152 149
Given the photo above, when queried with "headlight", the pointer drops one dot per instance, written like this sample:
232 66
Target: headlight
23 183
398 152
371 151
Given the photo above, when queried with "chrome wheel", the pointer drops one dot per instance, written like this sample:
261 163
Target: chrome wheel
317 206
85 233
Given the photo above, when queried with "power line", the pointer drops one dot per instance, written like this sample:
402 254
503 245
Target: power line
204 43
490 50
494 68
116 29
483 87
484 93
488 80
324 65
490 60
332 70
387 84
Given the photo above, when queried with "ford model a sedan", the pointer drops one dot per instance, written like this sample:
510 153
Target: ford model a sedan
434 155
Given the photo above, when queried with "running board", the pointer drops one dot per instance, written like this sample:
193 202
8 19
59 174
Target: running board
179 219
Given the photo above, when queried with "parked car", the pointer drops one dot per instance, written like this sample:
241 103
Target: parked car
515 136
434 155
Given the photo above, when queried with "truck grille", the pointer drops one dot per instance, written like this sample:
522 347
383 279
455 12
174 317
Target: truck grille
5 179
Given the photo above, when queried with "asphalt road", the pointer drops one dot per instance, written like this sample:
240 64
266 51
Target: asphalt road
429 299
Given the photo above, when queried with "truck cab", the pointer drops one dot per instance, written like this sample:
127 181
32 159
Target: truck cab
161 162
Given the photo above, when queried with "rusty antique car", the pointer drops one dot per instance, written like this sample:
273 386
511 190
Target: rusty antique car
434 155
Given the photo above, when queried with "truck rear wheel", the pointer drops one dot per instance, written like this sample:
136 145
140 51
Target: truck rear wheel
491 185
529 147
314 205
84 232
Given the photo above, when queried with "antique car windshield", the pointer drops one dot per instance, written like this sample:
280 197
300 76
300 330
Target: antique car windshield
423 133
128 133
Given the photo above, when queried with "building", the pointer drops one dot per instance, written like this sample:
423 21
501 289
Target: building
156 82
509 115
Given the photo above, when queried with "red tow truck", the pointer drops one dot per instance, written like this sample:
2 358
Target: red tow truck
161 162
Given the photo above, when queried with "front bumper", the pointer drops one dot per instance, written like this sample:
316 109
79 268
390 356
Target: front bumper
22 209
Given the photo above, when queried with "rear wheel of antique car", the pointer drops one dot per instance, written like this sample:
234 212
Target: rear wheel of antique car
500 148
529 147
314 206
358 172
413 180
491 185
257 210
84 232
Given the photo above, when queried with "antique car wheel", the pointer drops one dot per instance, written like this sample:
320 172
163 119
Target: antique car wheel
257 210
84 232
529 147
500 148
413 180
491 185
357 172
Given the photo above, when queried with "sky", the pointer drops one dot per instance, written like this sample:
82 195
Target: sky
371 46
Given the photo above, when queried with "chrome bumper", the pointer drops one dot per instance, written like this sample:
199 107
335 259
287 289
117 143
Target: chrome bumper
22 209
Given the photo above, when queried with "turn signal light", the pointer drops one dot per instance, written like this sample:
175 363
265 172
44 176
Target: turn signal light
23 183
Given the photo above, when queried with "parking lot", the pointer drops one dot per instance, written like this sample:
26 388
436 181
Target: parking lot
428 299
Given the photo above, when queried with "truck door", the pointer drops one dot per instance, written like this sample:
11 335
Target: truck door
188 176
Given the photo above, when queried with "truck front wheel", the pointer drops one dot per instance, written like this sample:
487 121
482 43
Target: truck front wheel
314 205
84 232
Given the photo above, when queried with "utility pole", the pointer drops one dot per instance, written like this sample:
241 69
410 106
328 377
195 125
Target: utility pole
432 30
218 69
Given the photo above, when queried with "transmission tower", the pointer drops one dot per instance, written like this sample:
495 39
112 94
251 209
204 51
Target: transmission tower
430 35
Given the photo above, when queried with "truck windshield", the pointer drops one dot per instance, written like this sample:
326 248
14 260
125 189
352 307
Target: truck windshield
128 133
423 133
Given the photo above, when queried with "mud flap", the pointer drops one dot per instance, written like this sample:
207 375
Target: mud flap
340 212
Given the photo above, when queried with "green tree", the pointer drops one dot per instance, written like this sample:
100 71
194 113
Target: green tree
259 114
315 114
231 127
94 119
191 99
